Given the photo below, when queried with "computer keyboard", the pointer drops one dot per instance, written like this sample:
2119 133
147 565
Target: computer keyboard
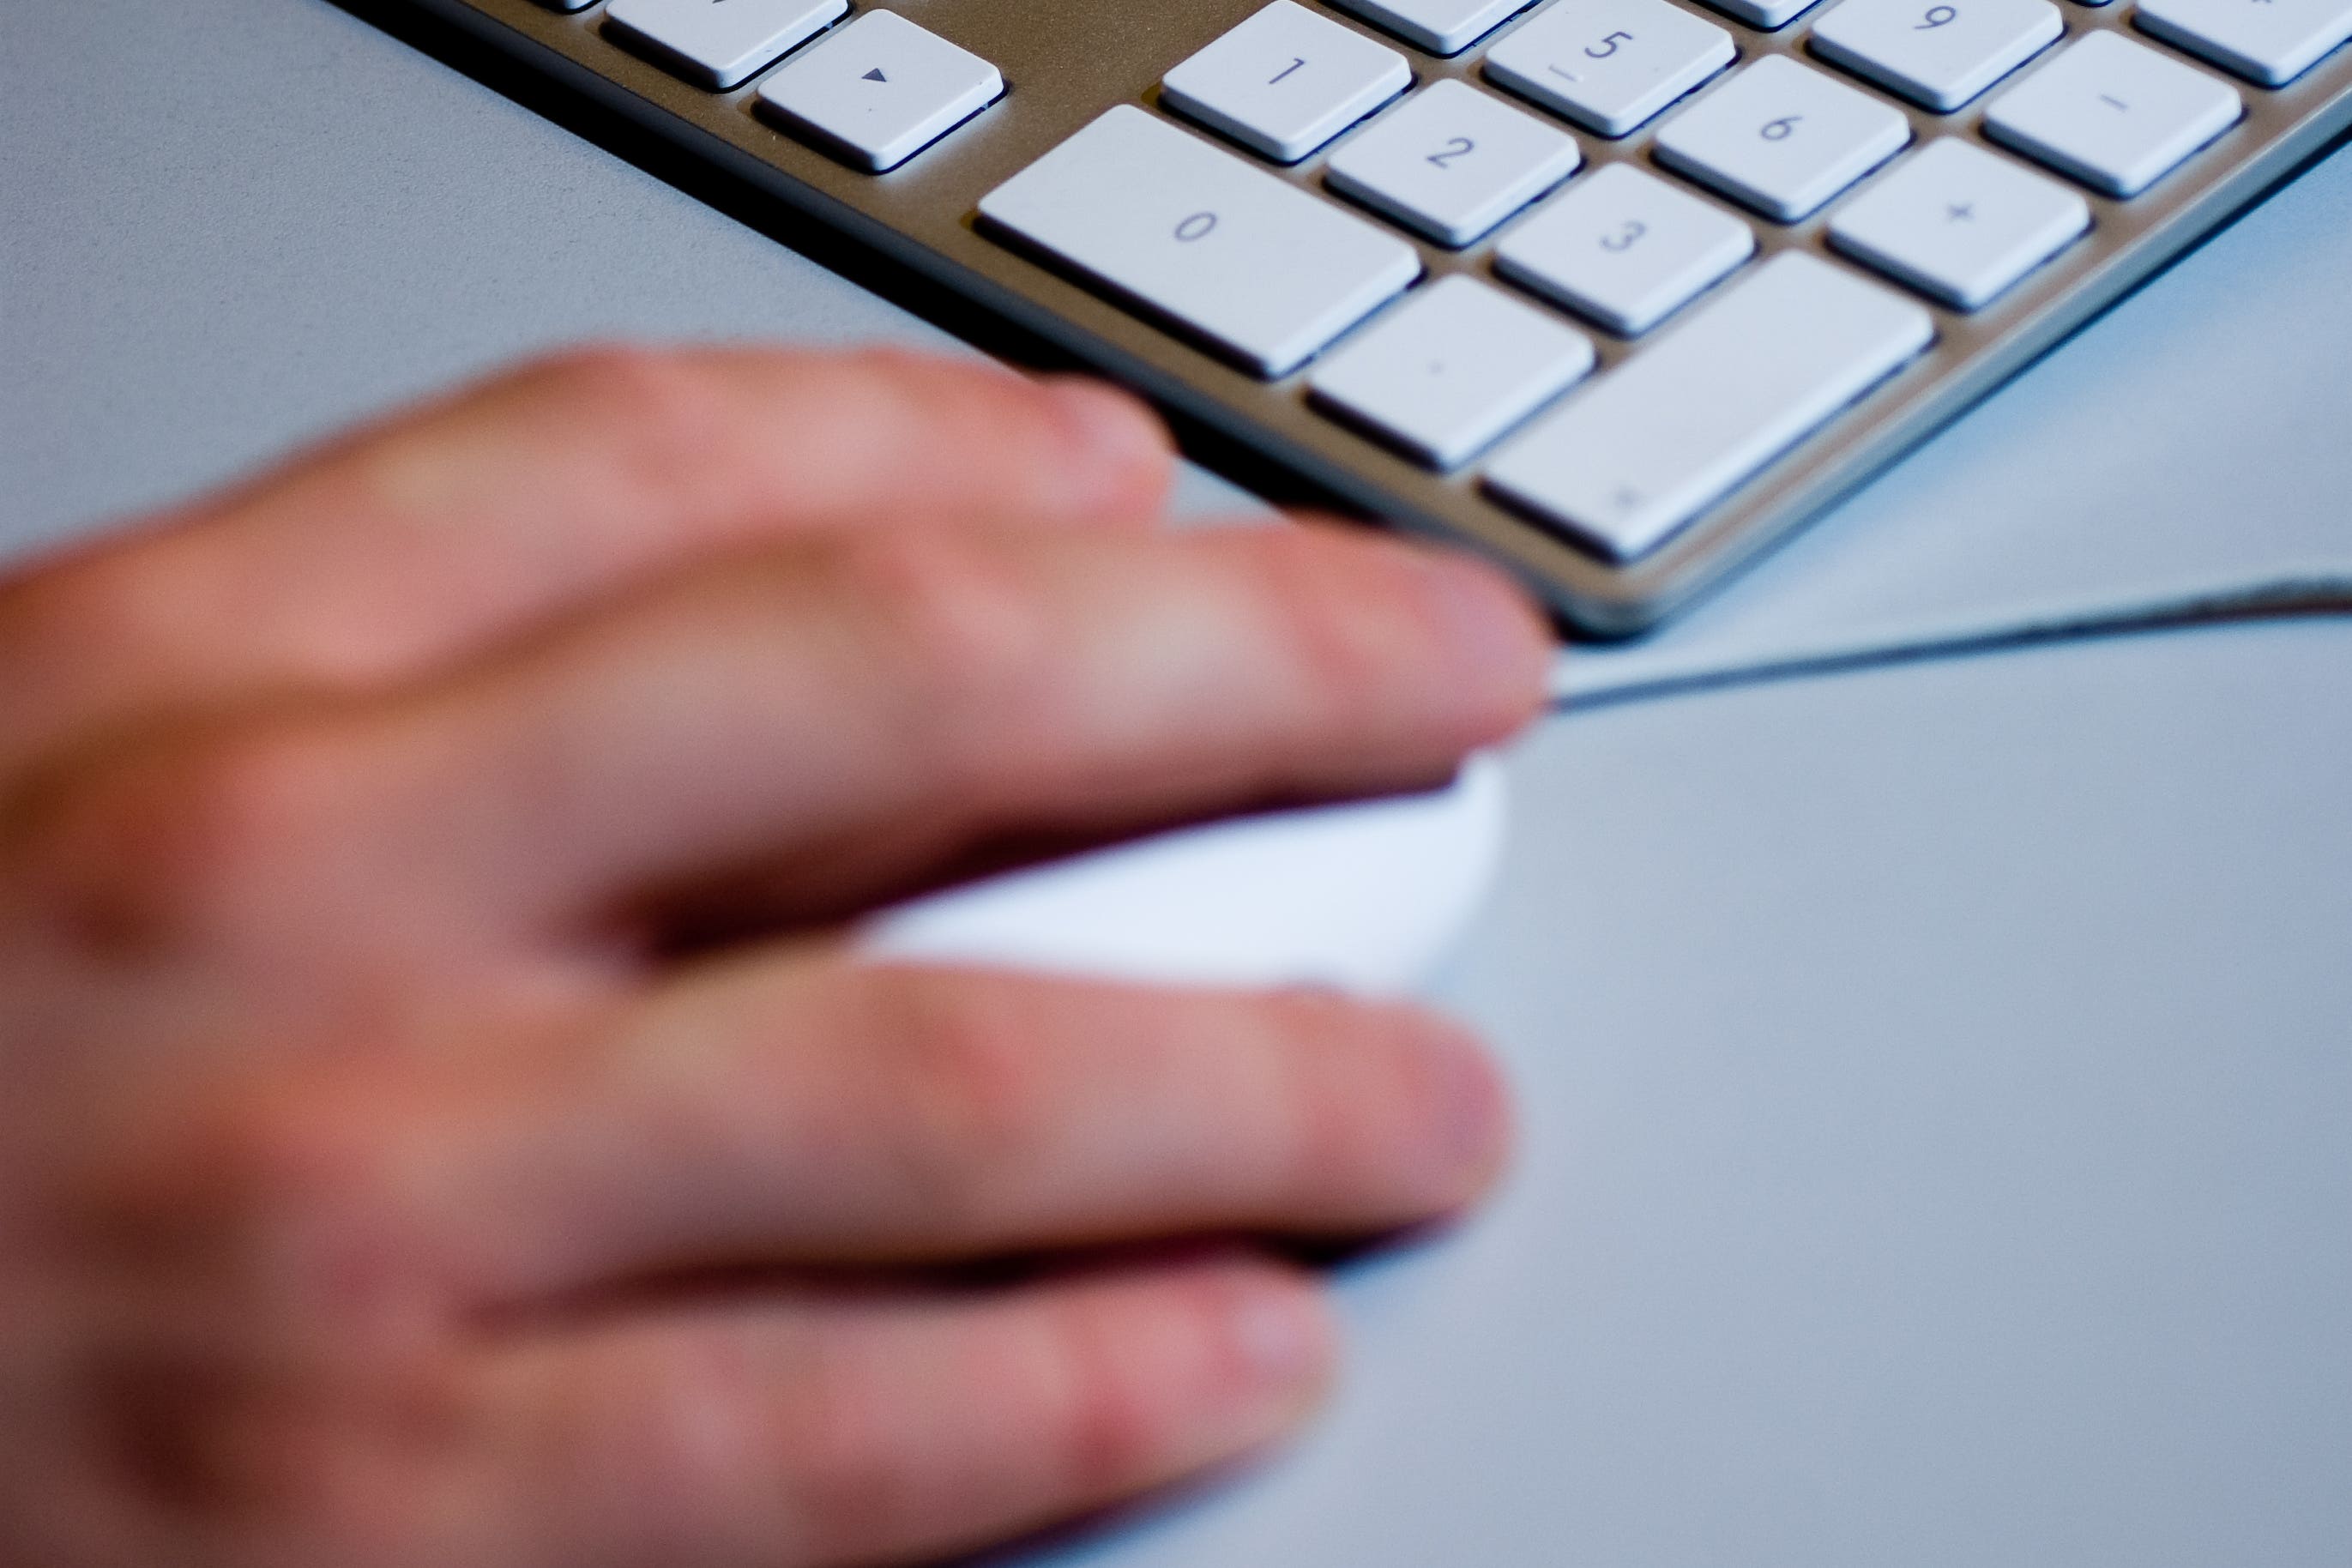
1617 290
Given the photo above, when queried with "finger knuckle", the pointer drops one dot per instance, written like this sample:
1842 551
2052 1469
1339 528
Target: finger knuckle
1356 1086
658 411
297 1468
966 629
622 378
97 612
302 1362
910 389
1111 1431
851 1477
196 835
290 1193
1322 605
959 1069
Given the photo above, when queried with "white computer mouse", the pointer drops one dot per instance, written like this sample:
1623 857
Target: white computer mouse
1367 896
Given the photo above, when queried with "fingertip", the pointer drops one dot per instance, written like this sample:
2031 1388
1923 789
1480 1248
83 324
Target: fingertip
1280 1332
1123 459
1266 1355
1469 1127
1496 643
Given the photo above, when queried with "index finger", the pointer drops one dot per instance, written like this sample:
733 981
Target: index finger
417 539
796 738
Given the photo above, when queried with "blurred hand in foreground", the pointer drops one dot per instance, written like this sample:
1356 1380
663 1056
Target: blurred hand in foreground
440 1122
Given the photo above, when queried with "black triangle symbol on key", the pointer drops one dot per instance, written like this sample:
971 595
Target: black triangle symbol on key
873 75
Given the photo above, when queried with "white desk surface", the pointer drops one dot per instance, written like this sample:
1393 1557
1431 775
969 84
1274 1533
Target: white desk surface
1937 1081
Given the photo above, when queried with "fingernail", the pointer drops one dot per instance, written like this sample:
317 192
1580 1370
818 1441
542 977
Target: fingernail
1496 634
1125 450
1470 1108
1282 1331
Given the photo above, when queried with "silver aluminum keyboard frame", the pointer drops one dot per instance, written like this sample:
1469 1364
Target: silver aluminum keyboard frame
1064 61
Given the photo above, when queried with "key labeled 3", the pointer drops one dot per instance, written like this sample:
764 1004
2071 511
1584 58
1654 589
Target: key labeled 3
1783 138
1612 66
1285 81
1452 163
1623 247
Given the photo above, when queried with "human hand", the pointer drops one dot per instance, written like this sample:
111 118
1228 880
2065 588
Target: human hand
439 1120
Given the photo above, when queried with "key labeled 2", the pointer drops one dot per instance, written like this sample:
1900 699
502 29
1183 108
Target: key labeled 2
1452 163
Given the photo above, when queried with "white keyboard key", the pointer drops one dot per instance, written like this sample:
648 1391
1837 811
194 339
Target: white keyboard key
1451 369
1610 65
1452 163
1624 463
1782 137
880 90
1252 263
1960 223
1440 27
717 46
1285 81
1623 247
1765 14
2114 113
1939 54
2268 41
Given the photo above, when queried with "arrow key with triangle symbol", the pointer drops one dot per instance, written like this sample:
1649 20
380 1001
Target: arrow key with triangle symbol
878 90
